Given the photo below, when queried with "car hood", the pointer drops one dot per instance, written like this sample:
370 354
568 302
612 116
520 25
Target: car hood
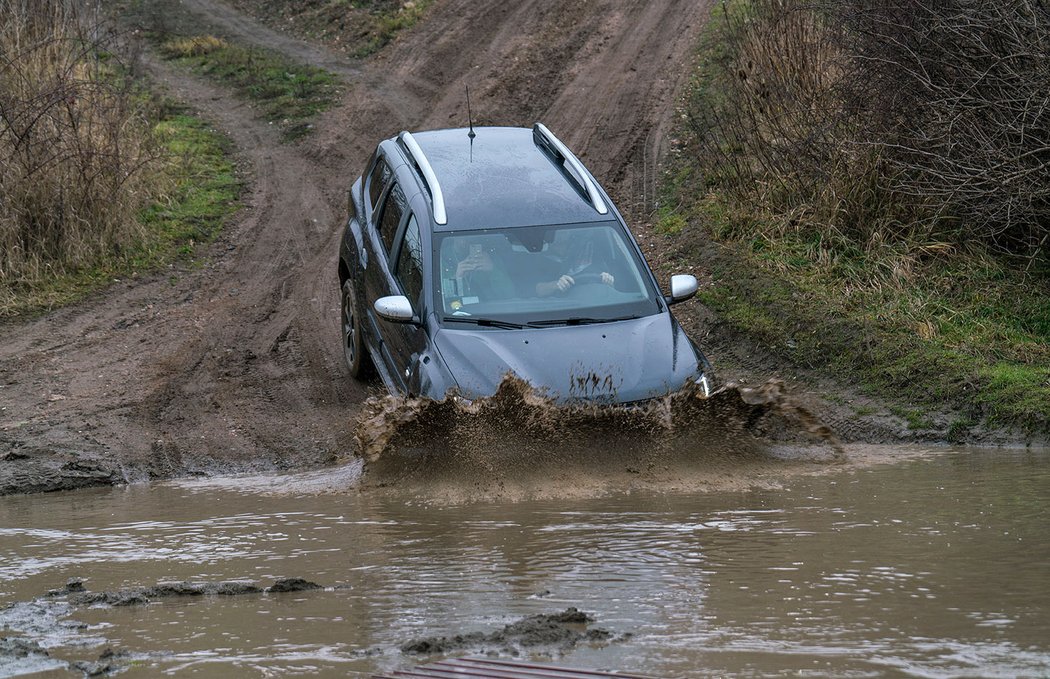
616 362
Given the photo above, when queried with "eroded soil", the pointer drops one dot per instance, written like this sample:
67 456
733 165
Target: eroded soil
235 365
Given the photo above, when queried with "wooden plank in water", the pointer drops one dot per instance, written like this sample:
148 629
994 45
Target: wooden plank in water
483 668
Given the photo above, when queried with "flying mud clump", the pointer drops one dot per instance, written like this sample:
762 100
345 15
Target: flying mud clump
520 432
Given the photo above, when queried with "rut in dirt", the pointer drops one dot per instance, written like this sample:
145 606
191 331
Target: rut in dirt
235 366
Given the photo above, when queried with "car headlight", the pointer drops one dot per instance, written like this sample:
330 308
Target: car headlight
705 385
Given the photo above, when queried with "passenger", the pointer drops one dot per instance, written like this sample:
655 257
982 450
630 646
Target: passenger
579 265
482 275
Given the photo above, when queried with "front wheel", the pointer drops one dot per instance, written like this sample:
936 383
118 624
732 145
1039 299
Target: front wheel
357 360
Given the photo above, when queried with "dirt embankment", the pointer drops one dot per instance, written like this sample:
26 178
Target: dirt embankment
235 365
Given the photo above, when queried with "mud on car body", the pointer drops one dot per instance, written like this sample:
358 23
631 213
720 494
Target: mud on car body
470 256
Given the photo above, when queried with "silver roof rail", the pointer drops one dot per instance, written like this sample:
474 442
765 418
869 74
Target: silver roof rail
540 132
437 198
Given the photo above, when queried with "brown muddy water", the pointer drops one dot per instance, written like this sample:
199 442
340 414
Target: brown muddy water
935 566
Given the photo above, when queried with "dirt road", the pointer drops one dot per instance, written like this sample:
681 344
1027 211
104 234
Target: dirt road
236 365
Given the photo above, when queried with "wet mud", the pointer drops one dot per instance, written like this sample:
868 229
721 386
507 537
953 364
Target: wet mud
17 653
77 595
39 468
559 631
518 436
47 622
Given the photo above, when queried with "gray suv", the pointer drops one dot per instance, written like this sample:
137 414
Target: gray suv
472 254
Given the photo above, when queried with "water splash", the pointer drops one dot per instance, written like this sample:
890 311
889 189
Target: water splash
519 433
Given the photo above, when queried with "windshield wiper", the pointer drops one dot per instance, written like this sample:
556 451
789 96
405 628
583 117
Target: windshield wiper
577 320
485 322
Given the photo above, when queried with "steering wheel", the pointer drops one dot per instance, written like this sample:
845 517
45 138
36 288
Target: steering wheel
587 278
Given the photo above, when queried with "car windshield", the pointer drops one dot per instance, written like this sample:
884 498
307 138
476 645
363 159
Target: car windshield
542 275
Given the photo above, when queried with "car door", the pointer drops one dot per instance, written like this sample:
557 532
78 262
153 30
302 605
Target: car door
396 341
406 341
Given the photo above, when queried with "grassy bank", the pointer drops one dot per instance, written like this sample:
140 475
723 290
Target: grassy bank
287 93
98 180
200 191
827 252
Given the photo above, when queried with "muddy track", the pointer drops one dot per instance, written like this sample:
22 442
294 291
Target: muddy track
235 365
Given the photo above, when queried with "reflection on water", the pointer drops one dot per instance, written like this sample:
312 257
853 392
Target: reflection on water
934 567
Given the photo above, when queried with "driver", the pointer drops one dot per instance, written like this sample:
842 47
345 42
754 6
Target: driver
482 275
580 264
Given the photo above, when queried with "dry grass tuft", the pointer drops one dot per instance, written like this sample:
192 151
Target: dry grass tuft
194 46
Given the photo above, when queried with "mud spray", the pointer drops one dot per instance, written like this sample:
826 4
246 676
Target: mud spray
520 443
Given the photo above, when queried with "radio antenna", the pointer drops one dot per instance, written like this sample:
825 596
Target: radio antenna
470 116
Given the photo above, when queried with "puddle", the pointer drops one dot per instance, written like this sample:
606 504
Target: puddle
936 566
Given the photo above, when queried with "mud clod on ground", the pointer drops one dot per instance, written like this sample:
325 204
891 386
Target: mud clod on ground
77 595
561 631
16 647
49 617
23 656
109 662
135 596
292 585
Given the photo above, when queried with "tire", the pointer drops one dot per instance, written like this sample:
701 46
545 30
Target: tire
354 353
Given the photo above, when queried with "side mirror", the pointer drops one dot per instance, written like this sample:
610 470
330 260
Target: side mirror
683 286
395 308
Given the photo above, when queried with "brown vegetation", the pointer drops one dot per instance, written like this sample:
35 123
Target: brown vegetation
881 173
911 120
75 147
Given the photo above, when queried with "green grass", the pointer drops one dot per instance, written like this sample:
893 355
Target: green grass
381 27
921 344
206 191
286 93
915 418
202 192
921 324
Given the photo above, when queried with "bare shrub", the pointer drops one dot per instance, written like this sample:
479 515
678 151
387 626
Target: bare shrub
777 134
74 146
957 93
918 121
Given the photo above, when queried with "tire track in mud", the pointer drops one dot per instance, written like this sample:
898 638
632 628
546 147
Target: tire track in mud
235 366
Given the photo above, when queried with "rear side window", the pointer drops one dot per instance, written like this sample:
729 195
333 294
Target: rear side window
409 269
389 220
376 180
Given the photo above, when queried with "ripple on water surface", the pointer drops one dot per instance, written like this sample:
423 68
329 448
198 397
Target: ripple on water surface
932 567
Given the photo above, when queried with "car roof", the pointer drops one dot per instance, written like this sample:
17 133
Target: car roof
501 178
